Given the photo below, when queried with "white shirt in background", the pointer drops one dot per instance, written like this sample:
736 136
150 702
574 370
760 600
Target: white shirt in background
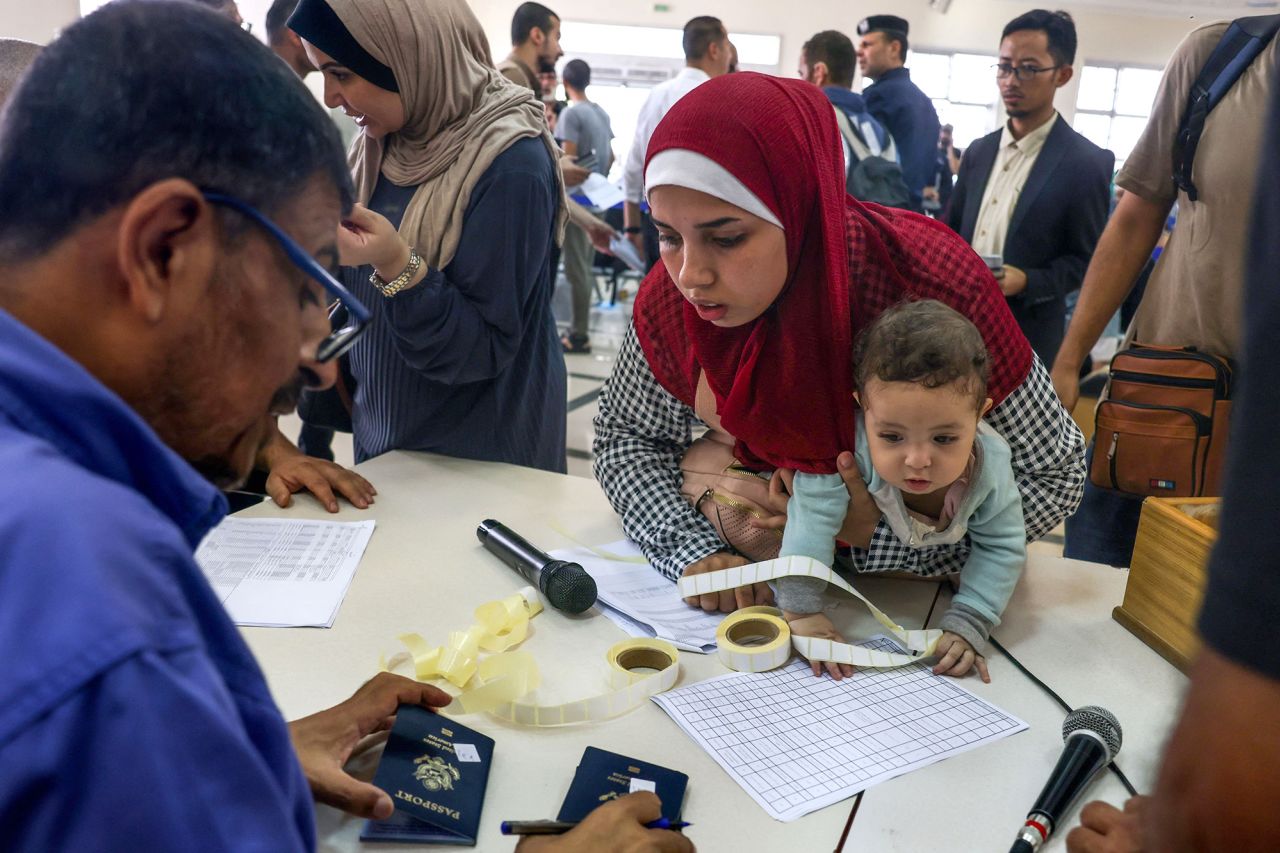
1004 186
661 99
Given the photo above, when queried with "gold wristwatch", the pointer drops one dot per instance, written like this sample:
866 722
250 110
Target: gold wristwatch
400 282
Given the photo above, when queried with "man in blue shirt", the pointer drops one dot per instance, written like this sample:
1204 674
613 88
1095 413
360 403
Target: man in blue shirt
147 326
898 103
169 185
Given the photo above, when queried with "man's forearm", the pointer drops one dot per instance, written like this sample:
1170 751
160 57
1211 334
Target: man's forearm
1122 251
1222 765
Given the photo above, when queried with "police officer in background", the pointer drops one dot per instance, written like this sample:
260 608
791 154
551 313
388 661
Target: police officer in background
896 102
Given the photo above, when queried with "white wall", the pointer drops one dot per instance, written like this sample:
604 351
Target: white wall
36 20
968 25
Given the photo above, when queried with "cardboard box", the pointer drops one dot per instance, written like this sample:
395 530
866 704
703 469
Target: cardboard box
1167 576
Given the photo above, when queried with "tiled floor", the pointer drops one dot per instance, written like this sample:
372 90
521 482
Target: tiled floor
586 377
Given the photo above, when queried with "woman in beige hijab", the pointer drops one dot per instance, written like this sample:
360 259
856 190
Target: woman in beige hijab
464 203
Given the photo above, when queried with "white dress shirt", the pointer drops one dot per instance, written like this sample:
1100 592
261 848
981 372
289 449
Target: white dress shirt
1004 186
661 99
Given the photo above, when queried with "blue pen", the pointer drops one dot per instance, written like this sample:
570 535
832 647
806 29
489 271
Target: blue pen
559 827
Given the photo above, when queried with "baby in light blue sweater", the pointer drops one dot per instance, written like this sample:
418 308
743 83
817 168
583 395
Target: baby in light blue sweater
936 470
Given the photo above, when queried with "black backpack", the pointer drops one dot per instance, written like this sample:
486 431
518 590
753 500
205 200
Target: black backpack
1243 41
873 177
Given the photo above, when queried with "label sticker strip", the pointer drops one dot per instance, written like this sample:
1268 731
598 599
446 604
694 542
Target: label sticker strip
638 669
918 641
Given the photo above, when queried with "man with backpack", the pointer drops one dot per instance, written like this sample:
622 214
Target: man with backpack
902 106
1032 197
872 170
1194 297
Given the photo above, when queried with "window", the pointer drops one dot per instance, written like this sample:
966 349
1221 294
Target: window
626 62
1114 105
963 89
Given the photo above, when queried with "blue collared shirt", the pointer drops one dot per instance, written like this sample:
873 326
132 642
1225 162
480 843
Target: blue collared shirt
132 714
909 115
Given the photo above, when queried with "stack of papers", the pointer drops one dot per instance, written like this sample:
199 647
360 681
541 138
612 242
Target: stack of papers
640 600
283 573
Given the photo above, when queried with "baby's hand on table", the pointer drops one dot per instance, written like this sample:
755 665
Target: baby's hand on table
819 626
956 657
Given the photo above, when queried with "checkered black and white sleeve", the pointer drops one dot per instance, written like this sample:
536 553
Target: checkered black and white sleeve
642 431
1048 464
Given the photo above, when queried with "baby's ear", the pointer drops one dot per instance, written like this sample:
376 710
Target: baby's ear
986 407
857 399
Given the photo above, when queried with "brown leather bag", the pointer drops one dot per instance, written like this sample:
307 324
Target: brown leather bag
1162 428
730 496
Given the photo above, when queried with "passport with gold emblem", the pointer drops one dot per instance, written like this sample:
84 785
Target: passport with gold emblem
436 771
603 776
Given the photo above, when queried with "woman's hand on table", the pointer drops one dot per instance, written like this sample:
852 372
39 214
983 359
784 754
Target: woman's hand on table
956 657
289 471
617 826
860 521
730 599
817 625
325 741
366 237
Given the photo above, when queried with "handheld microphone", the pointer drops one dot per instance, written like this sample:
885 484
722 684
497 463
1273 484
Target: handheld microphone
566 586
1092 738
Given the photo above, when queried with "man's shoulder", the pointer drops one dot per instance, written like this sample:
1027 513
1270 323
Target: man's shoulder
1081 145
90 572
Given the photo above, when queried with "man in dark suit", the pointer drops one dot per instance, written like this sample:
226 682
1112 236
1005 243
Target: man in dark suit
1032 197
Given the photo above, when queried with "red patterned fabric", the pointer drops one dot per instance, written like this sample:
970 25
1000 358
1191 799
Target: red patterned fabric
783 383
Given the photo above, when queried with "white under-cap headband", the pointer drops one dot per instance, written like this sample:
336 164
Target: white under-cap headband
679 167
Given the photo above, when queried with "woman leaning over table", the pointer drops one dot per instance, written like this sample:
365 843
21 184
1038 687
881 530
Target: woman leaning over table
461 204
777 376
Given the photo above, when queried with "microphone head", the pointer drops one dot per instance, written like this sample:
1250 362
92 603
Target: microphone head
568 587
1098 721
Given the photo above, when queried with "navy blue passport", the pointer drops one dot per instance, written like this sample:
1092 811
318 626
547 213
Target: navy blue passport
436 771
604 776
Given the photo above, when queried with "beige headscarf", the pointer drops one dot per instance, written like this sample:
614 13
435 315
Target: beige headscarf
15 57
460 114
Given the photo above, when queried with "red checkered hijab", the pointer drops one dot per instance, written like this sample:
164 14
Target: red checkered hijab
783 383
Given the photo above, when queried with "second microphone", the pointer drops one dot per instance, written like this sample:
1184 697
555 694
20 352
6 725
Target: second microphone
566 586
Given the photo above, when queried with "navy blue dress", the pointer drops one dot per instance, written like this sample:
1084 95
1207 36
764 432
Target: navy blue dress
468 363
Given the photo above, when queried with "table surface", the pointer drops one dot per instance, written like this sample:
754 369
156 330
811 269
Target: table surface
425 572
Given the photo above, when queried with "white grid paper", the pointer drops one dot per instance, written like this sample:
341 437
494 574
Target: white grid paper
797 743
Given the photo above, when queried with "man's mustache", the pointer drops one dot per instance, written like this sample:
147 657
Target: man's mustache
286 397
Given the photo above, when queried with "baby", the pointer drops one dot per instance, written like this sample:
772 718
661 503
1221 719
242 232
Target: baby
933 467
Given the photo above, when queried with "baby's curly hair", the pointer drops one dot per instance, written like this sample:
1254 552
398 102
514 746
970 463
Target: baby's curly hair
925 342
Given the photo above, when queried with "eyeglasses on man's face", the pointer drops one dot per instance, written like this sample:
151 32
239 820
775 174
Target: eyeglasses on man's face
1021 73
339 340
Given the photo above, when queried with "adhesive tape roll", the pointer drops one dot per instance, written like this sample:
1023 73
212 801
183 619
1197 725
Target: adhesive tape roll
635 660
499 683
754 639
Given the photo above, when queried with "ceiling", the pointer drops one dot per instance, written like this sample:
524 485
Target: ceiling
1183 8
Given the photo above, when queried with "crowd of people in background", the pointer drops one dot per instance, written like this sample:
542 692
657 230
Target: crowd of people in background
458 202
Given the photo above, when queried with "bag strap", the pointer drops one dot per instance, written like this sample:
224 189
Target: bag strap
853 137
1243 41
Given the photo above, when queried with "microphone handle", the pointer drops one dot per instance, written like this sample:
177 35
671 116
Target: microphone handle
1083 755
514 550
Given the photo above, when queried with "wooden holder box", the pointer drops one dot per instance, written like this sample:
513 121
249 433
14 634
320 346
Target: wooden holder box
1167 577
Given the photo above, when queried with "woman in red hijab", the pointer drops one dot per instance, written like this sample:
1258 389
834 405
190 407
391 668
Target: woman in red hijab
769 271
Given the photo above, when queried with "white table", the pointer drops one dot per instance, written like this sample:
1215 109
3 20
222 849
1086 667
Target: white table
425 572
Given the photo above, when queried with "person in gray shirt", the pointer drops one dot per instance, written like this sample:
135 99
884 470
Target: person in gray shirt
585 134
